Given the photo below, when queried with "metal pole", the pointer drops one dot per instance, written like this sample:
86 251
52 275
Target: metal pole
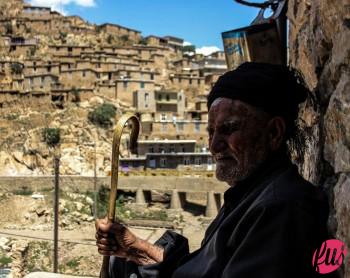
56 204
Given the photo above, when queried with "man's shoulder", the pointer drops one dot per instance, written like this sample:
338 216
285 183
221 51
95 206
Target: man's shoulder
289 187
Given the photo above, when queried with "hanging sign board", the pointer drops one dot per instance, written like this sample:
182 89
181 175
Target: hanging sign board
263 41
258 43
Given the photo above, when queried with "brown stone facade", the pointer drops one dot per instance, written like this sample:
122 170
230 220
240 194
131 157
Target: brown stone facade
319 46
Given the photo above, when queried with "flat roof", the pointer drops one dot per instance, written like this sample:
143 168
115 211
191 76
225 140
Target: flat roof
116 25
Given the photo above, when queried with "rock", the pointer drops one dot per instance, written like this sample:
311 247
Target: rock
5 244
89 201
40 211
95 101
79 206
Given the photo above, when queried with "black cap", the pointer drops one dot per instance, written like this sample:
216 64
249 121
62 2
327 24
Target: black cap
276 89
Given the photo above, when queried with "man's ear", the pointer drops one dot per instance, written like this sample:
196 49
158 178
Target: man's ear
277 130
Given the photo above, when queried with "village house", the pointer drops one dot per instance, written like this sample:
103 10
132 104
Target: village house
126 86
22 46
120 31
156 41
81 78
39 82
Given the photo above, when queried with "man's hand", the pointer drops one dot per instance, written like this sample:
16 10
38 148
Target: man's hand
114 239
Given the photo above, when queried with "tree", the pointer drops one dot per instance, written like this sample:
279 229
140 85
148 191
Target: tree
76 95
16 68
110 39
188 48
51 136
8 28
102 115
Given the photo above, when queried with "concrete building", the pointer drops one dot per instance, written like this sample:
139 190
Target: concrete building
165 146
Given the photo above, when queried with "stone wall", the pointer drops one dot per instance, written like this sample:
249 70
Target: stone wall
319 44
86 183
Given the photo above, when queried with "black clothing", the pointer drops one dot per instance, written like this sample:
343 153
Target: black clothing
269 227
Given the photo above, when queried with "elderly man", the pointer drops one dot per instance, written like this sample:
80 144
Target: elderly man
272 219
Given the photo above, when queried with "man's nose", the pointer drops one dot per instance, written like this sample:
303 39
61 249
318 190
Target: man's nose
217 143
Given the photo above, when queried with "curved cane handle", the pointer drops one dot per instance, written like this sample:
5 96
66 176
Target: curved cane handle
117 134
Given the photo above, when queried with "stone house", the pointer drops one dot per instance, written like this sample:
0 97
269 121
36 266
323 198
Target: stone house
214 63
156 41
40 82
185 82
33 67
126 86
144 101
79 78
21 46
175 43
120 31
36 12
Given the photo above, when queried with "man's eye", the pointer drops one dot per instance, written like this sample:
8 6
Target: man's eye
228 129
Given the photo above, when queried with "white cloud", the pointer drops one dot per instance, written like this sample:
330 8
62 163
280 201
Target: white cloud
187 43
207 50
58 5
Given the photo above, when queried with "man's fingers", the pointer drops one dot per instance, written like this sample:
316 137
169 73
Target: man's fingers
106 241
116 253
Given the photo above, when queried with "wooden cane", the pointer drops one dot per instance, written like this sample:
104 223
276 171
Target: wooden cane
117 134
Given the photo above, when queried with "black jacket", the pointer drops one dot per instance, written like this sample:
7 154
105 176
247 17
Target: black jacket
269 227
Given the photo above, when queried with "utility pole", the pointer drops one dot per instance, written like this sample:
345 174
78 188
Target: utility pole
95 182
56 206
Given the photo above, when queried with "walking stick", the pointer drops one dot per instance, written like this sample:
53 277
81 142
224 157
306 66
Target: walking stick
117 134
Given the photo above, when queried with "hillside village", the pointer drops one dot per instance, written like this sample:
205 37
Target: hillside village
55 69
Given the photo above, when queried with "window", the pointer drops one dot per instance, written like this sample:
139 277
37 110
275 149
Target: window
125 84
163 117
152 76
146 99
198 161
151 149
190 81
197 127
162 162
179 127
187 161
167 98
83 73
142 85
159 97
70 49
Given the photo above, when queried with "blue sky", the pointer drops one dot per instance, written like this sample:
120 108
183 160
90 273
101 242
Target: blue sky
197 21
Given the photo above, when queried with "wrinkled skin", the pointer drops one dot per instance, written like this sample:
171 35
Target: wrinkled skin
241 137
114 239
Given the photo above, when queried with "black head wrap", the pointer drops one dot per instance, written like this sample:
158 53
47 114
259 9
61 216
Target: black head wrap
276 89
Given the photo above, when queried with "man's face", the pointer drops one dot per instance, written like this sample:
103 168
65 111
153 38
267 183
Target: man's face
238 139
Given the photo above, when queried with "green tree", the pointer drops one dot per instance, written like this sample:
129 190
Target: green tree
143 41
110 39
8 28
102 115
189 48
76 95
51 136
16 68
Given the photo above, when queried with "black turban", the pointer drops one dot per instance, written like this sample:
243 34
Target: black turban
275 89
